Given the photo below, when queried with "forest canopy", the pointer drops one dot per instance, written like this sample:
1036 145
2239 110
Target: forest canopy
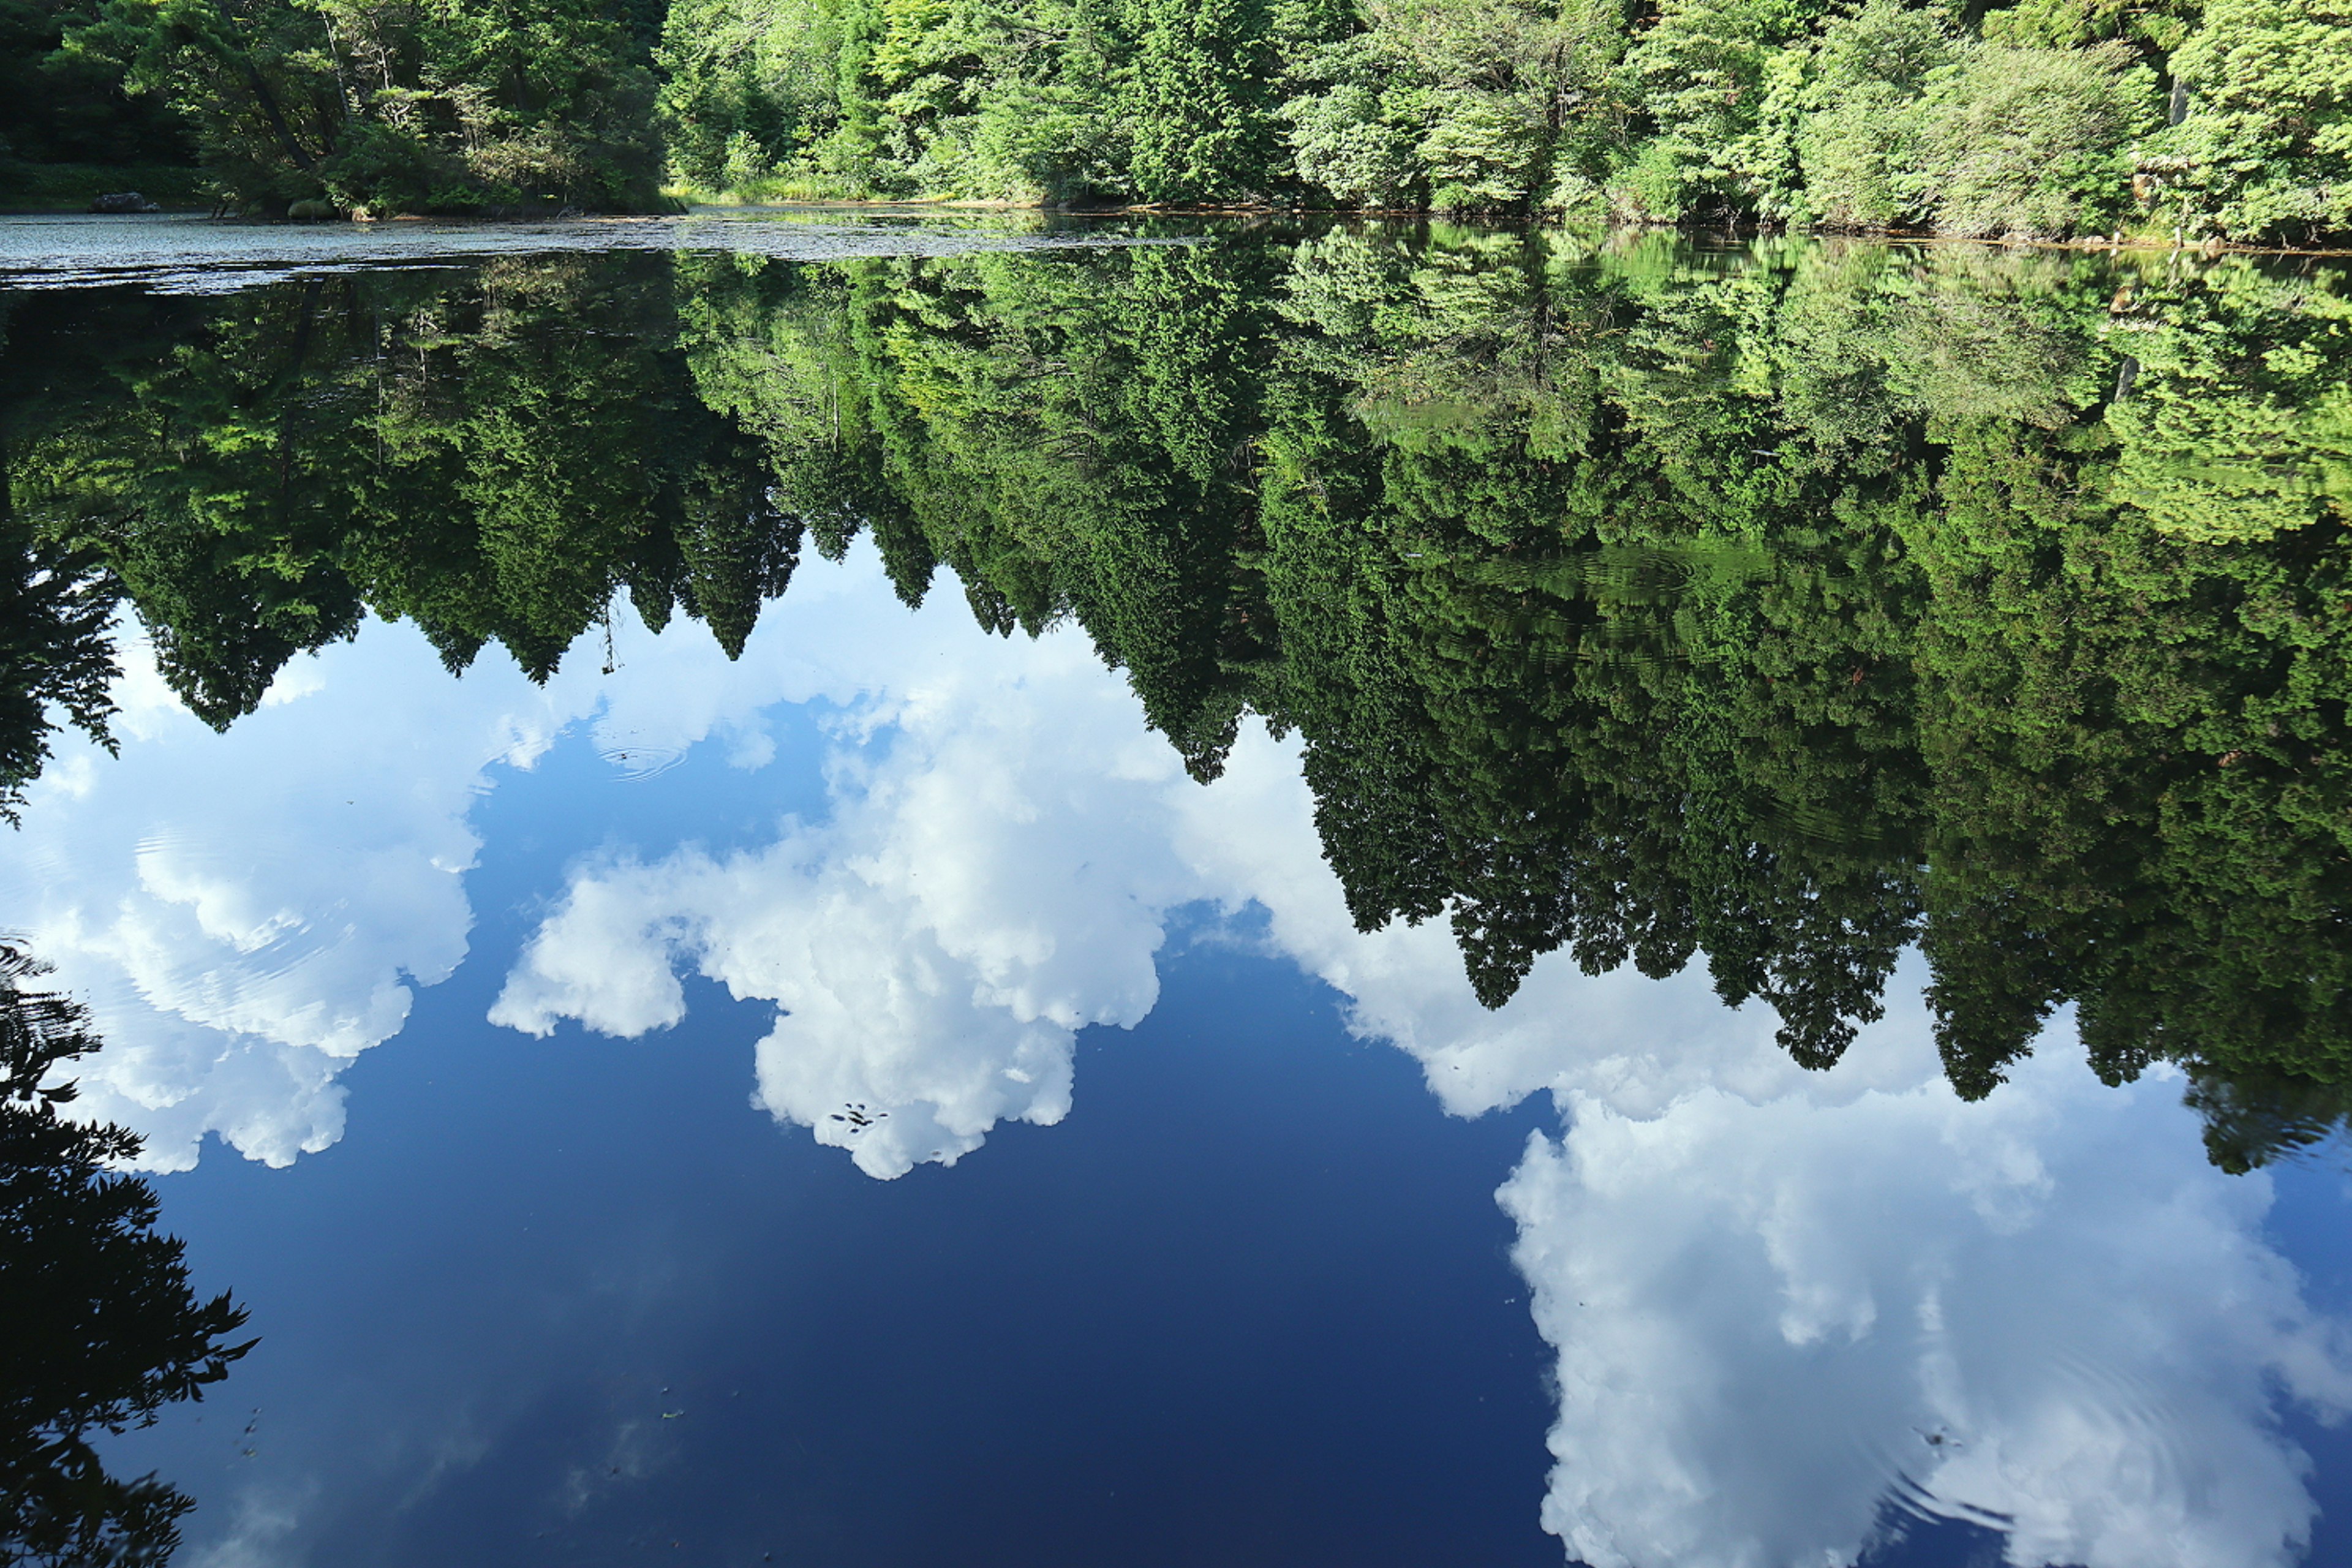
2227 120
1775 609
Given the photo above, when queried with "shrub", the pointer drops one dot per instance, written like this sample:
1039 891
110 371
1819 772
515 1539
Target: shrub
1859 142
2033 142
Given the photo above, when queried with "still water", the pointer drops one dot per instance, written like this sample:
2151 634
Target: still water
957 892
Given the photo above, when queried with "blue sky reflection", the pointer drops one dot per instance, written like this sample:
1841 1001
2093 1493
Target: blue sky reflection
924 864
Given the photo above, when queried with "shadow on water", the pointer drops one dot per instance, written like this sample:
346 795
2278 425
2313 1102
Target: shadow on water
99 1330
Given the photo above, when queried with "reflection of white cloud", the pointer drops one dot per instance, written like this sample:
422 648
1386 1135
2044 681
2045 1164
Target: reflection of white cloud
1627 1041
245 912
1003 844
993 877
1770 1290
2045 1310
260 1533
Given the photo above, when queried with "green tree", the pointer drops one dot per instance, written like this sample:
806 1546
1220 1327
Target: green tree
1195 100
391 106
62 109
2263 149
1864 98
102 1327
747 90
2034 142
1717 81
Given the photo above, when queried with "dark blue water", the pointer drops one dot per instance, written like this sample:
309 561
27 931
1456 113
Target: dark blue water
867 1098
1258 1296
576 1300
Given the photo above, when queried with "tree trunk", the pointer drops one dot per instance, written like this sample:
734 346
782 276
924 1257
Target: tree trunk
262 96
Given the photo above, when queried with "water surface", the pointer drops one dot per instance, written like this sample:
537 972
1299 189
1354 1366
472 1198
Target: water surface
1354 895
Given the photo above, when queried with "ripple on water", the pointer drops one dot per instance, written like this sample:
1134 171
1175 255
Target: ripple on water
1935 1473
178 253
632 761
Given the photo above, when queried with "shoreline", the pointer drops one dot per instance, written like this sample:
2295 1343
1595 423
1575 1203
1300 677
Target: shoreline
919 206
1498 220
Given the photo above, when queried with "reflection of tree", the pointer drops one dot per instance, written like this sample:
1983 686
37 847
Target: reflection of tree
2254 1117
99 1329
1782 607
206 480
1592 679
493 459
1785 608
56 650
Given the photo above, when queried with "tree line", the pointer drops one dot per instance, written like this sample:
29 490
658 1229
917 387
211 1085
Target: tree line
2226 120
1775 608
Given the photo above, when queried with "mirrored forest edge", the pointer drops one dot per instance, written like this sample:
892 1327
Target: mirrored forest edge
1782 607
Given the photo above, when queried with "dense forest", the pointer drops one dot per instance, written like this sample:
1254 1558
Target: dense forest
2227 120
1775 608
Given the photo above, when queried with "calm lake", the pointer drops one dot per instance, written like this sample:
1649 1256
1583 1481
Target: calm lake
871 892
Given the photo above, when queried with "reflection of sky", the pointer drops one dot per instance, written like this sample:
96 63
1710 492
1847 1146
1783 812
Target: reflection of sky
566 1302
924 862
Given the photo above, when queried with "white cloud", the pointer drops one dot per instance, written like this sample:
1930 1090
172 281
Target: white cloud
995 876
1769 1289
2045 1310
246 913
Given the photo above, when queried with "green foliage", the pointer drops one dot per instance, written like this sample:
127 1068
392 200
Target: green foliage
2265 150
1195 100
743 86
101 1330
1456 104
1349 141
2034 142
1865 98
60 110
394 106
1714 81
1779 608
2036 120
448 455
1048 141
2230 432
2155 27
242 74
